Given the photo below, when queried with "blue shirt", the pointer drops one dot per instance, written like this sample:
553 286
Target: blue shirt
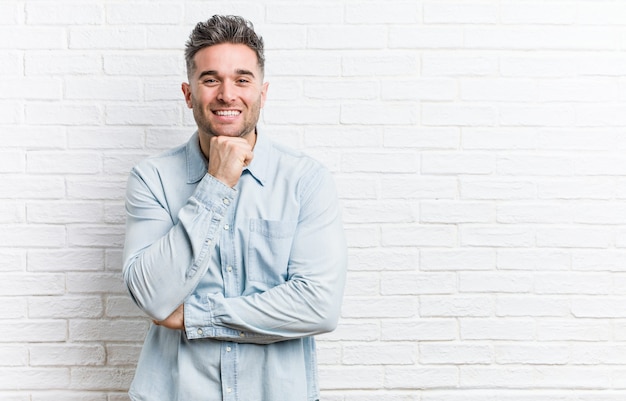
259 267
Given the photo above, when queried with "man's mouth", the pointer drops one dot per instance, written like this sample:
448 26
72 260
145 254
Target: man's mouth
227 113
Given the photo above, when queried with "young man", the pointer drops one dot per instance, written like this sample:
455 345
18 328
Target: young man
234 244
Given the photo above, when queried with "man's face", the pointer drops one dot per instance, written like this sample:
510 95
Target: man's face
226 90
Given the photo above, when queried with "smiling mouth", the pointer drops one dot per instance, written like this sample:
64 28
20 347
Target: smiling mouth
227 113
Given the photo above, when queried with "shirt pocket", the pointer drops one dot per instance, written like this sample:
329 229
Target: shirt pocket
269 247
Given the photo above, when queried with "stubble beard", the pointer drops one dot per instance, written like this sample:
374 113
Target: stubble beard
207 128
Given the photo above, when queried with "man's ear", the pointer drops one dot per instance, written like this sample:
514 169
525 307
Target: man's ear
264 93
187 92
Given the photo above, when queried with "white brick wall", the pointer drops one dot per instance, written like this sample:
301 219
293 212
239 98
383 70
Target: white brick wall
478 146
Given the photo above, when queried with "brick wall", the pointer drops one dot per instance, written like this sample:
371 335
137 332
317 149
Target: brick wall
478 146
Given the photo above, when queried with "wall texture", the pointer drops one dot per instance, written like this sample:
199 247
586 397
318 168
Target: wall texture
478 146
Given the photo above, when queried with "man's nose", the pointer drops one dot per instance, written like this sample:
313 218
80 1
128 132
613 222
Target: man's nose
226 92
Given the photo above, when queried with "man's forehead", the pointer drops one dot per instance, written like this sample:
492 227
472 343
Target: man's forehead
226 58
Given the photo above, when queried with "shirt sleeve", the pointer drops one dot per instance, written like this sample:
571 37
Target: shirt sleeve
308 303
163 261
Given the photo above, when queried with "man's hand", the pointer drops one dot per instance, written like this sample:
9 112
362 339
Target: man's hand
227 158
175 321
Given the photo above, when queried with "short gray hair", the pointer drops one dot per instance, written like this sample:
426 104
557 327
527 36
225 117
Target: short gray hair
223 29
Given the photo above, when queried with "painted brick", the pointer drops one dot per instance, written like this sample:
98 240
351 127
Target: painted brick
457 259
443 114
388 307
417 283
404 36
12 161
64 212
420 235
45 162
40 284
63 114
416 377
534 12
477 147
107 38
136 13
507 282
33 37
107 330
308 13
32 331
70 355
390 259
374 212
497 188
347 37
95 283
122 354
527 305
405 186
13 355
31 88
380 64
456 306
390 12
456 212
455 353
427 138
352 377
61 62
431 329
101 378
471 12
380 354
30 235
58 307
533 259
397 162
36 378
41 13
12 260
497 329
144 65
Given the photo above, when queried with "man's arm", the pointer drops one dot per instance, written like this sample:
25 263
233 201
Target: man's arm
308 303
163 263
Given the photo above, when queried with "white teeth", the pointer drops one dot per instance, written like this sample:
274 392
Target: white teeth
227 113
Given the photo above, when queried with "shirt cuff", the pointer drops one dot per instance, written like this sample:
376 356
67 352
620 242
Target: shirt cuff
214 194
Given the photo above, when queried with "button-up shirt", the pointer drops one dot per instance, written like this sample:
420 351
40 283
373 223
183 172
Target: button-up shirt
260 269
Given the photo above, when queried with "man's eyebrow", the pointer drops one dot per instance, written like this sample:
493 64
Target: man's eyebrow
239 71
244 72
208 72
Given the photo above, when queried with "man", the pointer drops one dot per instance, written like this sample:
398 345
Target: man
234 244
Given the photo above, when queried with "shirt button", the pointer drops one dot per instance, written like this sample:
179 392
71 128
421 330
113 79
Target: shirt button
229 390
228 349
242 334
199 331
226 201
229 269
226 227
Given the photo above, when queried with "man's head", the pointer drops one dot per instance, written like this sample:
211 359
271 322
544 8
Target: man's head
226 88
223 29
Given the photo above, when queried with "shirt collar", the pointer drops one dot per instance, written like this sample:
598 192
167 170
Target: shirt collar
197 164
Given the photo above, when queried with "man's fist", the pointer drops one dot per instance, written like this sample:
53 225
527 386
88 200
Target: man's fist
227 158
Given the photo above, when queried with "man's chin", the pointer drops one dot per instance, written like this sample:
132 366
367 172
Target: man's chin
231 134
